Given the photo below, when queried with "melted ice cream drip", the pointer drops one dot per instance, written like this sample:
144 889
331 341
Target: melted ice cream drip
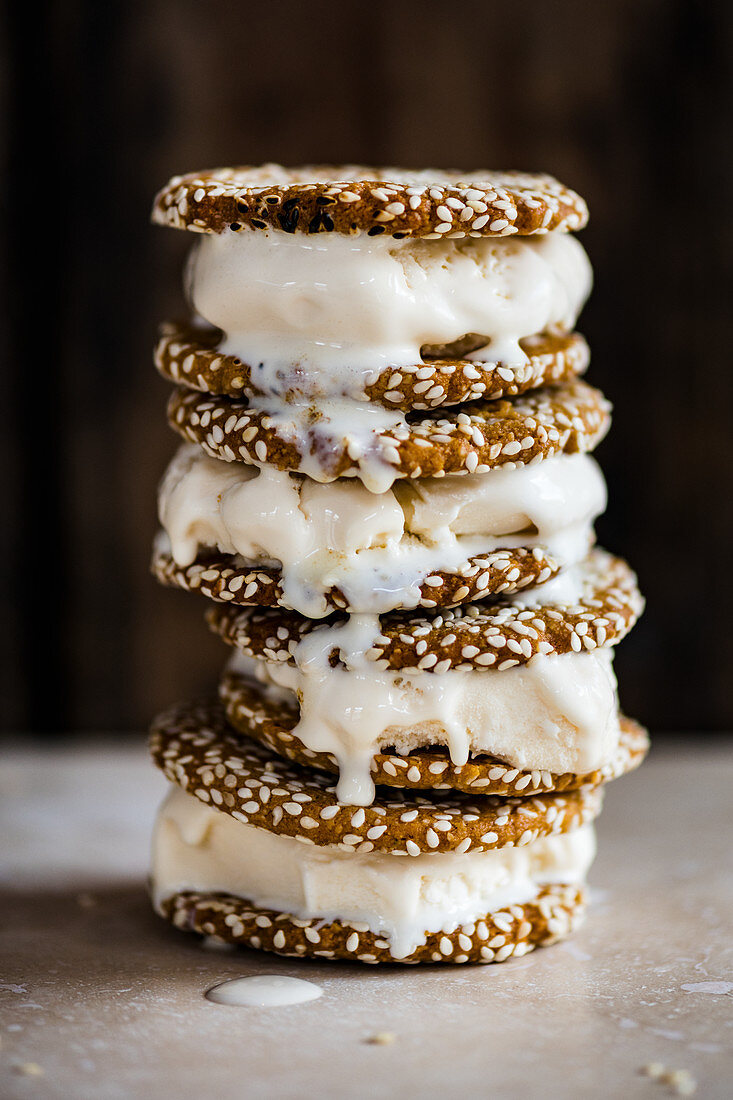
556 713
376 548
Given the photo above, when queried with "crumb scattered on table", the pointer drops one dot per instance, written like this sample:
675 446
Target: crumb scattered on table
30 1069
680 1080
382 1039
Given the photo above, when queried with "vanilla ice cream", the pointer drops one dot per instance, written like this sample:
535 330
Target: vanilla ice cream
556 714
324 315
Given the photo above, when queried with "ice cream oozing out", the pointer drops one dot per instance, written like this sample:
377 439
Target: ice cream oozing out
376 548
322 315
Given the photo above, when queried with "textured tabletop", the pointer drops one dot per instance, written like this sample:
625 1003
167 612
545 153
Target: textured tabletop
100 999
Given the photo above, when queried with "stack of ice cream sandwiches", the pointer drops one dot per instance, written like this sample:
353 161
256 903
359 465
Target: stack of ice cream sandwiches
386 490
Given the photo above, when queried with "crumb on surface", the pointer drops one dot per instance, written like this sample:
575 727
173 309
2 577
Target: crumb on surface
30 1069
680 1080
382 1039
655 1070
86 901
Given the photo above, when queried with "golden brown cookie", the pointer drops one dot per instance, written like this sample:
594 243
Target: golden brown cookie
473 636
189 357
196 748
271 722
510 932
489 576
569 418
356 198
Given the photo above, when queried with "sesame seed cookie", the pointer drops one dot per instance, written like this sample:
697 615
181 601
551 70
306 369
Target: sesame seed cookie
196 748
571 417
473 636
513 931
356 198
270 721
221 578
189 357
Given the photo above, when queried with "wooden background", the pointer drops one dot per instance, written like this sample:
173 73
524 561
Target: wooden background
628 102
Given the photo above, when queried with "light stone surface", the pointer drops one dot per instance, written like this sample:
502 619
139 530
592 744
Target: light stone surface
109 1002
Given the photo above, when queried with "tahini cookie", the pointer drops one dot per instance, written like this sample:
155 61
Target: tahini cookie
568 418
512 931
190 357
353 199
221 578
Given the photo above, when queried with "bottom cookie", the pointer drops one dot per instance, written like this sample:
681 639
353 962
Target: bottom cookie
509 932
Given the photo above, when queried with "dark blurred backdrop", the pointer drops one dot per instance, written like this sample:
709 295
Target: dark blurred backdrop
627 102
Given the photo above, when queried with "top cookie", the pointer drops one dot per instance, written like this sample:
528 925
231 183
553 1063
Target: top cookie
354 198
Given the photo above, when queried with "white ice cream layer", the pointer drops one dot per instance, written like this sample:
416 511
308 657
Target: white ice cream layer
555 714
401 898
325 314
377 548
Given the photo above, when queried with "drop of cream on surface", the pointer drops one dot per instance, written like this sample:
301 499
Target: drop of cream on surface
264 991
